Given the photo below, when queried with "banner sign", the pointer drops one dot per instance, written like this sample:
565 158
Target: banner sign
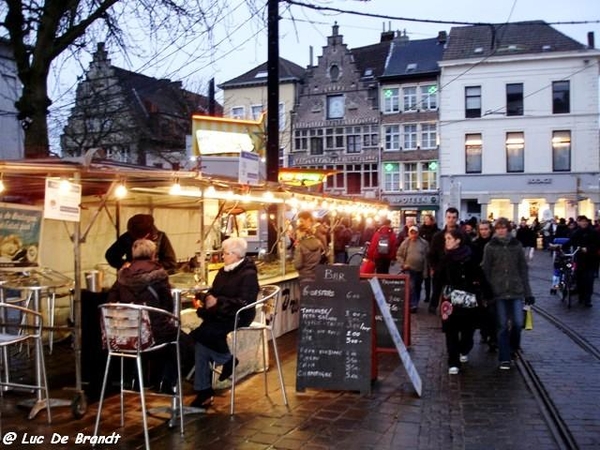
62 200
20 231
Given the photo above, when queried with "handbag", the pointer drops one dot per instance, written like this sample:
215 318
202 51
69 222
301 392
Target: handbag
460 298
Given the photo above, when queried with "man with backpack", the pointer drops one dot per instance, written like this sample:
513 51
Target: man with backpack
382 250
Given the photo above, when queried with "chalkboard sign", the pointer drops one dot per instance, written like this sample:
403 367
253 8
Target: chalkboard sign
396 290
334 345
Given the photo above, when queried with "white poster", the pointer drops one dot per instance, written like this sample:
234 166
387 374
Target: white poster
248 171
62 200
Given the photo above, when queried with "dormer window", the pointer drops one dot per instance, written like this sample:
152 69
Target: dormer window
478 50
334 73
368 73
411 67
261 74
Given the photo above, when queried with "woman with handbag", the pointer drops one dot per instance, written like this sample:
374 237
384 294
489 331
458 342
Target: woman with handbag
460 279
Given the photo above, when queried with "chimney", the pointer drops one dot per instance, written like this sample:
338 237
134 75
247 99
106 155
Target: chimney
402 38
388 35
310 56
442 37
590 36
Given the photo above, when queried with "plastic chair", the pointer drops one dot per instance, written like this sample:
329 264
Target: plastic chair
27 327
128 334
266 310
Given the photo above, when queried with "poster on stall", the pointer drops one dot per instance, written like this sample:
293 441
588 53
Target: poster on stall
62 200
20 230
248 169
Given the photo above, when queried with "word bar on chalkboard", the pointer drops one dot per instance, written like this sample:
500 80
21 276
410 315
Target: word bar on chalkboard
393 329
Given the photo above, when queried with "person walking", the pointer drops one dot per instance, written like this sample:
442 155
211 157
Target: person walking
412 259
587 239
505 269
436 252
487 321
382 249
459 277
527 237
341 239
427 230
308 250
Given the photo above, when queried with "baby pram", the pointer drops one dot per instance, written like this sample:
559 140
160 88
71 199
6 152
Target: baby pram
563 275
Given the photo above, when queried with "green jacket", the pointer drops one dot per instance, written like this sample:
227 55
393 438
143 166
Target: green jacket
505 268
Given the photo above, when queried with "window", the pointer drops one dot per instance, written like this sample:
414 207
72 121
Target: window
391 100
429 175
472 101
281 116
515 152
300 140
514 99
410 137
410 98
316 145
256 111
391 177
334 73
429 97
561 98
411 177
428 135
392 137
561 151
354 144
473 150
237 112
370 175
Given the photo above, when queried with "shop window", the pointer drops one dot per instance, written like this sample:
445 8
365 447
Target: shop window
561 97
514 99
473 153
472 101
515 152
561 151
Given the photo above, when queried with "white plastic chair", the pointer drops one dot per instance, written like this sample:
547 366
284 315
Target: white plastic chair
266 310
128 334
27 327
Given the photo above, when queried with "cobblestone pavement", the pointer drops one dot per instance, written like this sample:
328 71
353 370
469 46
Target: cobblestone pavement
482 408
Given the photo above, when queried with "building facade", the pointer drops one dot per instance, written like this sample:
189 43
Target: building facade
10 91
519 130
129 117
409 99
246 96
336 122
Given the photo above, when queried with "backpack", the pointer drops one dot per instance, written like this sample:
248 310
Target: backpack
383 245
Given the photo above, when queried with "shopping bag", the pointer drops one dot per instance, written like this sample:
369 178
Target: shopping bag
367 266
528 318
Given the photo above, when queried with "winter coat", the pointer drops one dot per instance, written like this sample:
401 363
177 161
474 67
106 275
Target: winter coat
526 236
120 251
133 286
589 239
427 231
437 248
414 255
505 268
307 256
233 289
372 252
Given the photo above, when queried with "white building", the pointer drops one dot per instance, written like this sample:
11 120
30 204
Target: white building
10 91
519 123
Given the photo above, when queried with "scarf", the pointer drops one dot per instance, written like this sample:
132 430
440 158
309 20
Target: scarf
459 254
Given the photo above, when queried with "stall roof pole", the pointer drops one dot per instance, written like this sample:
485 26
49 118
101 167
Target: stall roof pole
273 92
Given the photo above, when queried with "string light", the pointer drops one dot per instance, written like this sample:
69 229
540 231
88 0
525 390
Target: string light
2 187
65 186
175 188
121 190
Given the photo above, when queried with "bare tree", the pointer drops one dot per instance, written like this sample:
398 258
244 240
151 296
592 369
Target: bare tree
41 31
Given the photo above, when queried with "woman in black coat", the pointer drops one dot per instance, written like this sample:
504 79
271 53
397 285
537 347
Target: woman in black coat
458 270
235 286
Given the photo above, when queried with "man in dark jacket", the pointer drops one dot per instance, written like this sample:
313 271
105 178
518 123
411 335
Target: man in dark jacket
427 231
235 286
141 226
505 269
587 239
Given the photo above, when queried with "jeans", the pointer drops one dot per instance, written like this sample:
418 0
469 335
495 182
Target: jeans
203 372
509 312
459 329
416 280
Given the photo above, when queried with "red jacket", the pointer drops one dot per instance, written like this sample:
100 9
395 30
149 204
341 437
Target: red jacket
373 254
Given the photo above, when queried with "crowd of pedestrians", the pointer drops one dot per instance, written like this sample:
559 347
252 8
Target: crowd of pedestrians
475 273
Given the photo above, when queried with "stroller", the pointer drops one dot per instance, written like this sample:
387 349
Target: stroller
563 276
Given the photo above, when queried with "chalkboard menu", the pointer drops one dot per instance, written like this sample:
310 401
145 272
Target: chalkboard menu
334 345
396 291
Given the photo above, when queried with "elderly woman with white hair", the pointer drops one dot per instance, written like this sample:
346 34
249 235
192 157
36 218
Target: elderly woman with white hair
235 286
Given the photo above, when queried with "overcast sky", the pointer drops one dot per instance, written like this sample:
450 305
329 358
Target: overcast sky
239 42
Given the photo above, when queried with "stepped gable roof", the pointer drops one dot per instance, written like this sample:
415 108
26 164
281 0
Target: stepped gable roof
417 57
288 72
166 96
371 57
514 38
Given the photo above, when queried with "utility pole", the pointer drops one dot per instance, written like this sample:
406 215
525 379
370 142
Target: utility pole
273 115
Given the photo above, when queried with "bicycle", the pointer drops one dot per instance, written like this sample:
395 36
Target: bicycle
563 280
355 259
